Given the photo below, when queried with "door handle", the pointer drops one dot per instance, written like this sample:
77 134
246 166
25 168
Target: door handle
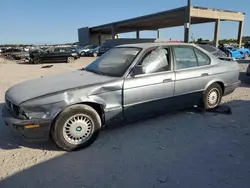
204 74
167 80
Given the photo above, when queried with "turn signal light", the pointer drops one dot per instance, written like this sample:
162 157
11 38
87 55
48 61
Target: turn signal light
31 126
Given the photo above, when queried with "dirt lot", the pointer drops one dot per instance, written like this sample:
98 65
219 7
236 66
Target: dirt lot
184 149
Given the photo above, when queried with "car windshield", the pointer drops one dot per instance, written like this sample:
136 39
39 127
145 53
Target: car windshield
115 62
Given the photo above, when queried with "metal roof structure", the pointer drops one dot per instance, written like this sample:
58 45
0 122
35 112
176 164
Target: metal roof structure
169 18
183 16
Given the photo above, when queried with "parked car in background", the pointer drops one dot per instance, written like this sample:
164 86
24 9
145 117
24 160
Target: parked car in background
231 51
15 54
19 55
239 53
58 54
99 51
225 48
128 81
213 50
91 51
247 45
85 50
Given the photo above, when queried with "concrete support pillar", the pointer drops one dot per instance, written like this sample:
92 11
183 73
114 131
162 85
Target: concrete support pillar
216 32
137 34
158 33
240 32
187 31
113 32
187 22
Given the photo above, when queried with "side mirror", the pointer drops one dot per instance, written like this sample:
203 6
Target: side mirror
137 70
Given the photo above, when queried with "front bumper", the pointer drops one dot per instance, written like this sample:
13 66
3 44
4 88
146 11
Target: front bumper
230 88
41 133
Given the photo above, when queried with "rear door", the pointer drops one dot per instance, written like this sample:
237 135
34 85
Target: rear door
189 85
49 56
61 54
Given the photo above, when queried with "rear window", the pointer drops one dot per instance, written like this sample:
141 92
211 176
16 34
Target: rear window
208 48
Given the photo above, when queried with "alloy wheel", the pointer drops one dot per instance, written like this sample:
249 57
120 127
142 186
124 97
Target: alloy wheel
77 129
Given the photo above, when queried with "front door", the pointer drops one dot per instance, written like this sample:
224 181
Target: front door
153 89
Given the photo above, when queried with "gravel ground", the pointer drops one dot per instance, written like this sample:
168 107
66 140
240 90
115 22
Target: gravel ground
184 149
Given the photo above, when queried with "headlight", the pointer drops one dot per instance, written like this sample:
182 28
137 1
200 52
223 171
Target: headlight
74 54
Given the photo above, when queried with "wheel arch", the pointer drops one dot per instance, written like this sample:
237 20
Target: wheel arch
220 82
99 108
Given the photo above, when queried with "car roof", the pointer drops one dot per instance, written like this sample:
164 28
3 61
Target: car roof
150 45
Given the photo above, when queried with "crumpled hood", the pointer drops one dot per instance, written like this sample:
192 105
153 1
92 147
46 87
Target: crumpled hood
51 84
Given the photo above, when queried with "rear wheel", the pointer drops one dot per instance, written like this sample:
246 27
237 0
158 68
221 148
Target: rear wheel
76 127
70 59
212 97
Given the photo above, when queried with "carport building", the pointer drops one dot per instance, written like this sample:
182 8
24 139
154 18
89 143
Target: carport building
183 16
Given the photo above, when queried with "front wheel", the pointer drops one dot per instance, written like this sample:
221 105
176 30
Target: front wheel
76 127
212 97
95 54
37 60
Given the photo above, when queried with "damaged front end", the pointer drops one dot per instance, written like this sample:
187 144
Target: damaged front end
31 122
32 112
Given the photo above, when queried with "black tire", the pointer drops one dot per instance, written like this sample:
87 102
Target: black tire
38 60
59 128
246 56
212 89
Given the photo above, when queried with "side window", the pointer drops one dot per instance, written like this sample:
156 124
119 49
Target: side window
155 61
185 57
57 49
62 50
202 58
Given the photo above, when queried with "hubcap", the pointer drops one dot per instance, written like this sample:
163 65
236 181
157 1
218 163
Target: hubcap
213 98
77 129
70 59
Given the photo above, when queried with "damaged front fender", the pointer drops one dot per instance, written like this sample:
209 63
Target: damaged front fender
108 96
